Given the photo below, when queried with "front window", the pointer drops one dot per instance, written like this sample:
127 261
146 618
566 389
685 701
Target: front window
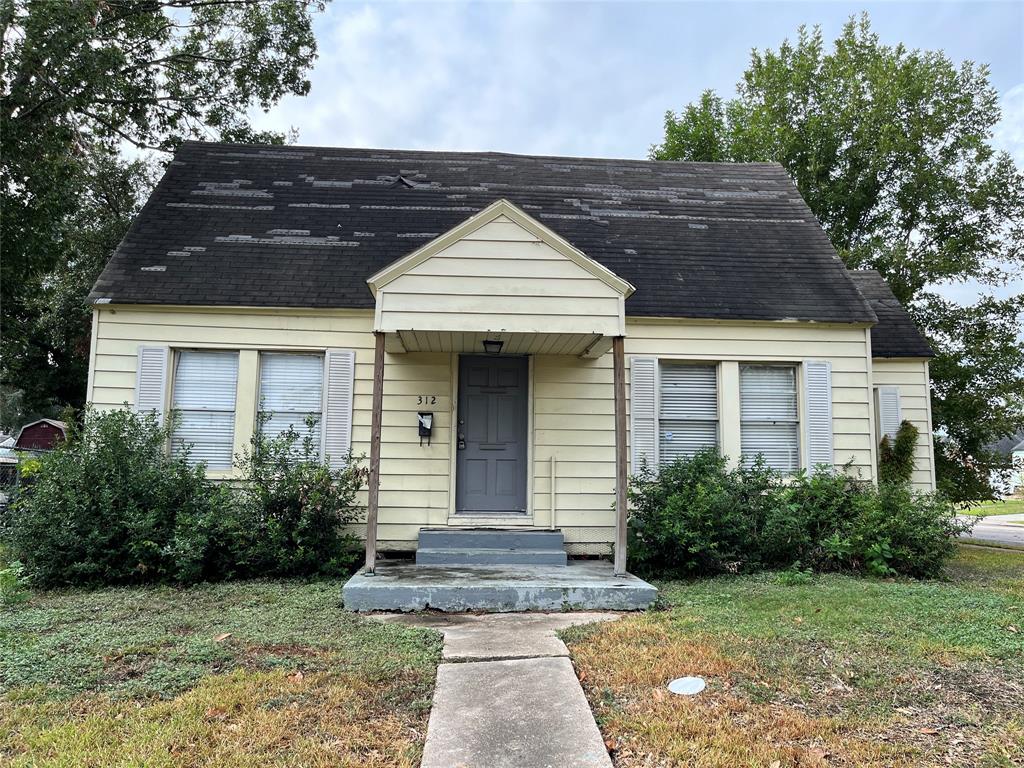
291 394
205 383
769 421
688 410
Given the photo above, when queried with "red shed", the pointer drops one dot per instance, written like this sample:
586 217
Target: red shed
41 435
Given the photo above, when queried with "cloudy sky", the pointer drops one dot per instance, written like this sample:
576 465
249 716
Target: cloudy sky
591 79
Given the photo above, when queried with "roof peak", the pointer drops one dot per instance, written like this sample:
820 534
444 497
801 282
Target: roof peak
382 153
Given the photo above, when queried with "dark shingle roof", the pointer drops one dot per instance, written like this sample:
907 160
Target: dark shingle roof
1008 445
896 335
246 225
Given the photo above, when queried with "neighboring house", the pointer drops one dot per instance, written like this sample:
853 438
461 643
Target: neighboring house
40 435
561 320
1012 449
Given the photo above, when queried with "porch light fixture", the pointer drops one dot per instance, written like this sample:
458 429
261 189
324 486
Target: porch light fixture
493 346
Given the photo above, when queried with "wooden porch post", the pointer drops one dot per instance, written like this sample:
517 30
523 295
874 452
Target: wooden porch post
374 480
619 365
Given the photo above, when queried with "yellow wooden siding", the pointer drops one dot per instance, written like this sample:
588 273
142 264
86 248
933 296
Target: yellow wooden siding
500 277
911 376
572 400
414 479
573 420
845 347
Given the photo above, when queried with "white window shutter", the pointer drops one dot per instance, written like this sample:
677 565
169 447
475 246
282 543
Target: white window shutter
151 380
643 386
339 376
889 415
818 394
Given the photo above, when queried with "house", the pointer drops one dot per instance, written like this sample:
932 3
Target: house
505 337
40 435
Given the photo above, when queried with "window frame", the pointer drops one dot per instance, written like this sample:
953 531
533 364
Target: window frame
662 362
798 421
322 355
175 360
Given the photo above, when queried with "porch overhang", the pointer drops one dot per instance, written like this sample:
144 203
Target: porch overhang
588 345
500 275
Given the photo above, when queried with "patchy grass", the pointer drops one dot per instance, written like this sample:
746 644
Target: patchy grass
986 508
836 672
244 674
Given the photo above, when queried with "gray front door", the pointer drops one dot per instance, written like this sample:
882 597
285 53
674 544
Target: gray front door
490 472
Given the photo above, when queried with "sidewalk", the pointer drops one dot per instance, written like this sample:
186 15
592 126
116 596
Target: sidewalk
508 696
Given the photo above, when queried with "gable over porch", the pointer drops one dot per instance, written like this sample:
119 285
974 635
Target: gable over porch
500 285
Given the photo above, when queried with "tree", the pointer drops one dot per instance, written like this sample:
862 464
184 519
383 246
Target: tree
80 82
891 149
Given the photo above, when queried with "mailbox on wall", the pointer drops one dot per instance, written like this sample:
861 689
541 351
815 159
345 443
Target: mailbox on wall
426 425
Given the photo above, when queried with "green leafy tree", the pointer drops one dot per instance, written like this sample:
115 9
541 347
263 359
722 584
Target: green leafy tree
891 149
81 81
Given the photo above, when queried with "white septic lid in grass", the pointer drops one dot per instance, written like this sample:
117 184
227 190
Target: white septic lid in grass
687 686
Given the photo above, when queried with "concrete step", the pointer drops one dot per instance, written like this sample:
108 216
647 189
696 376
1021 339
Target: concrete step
489 556
490 538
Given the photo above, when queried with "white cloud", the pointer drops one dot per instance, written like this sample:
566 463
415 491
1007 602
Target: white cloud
1009 133
520 77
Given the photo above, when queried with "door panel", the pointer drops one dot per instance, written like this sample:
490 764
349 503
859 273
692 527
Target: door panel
492 431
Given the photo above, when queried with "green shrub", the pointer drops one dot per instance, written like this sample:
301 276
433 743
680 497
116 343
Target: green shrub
900 531
896 457
13 584
110 506
294 506
693 516
699 516
106 506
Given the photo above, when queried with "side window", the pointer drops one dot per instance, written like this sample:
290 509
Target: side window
687 410
205 383
292 393
769 421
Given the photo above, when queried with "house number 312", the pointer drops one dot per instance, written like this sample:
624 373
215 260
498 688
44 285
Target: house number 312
426 400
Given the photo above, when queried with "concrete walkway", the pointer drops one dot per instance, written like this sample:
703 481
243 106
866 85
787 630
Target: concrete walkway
509 697
1007 530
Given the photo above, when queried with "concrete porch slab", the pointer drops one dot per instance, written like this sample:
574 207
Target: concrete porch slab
589 585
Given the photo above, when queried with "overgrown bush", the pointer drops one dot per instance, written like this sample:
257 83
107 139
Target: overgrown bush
110 506
295 506
699 516
896 457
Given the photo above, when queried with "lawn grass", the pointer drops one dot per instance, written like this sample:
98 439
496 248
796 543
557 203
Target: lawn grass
838 671
986 508
244 674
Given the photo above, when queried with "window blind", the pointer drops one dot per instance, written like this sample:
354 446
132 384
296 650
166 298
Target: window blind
769 417
205 384
291 391
687 410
